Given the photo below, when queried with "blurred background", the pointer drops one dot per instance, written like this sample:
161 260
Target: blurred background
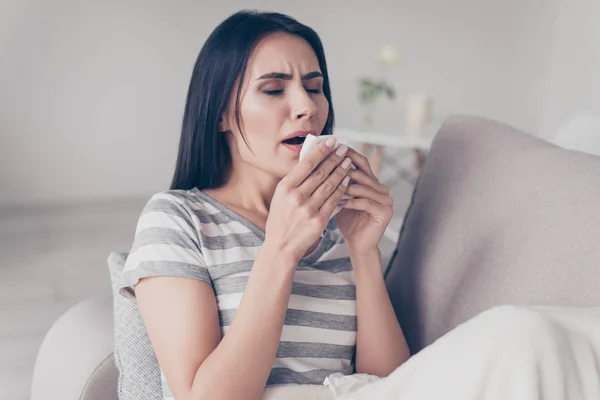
92 96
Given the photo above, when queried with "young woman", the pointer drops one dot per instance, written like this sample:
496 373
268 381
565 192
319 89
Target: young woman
242 279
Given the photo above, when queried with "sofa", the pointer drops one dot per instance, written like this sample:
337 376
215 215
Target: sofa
498 216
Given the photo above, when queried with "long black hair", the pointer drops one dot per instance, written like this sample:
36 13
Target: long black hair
204 158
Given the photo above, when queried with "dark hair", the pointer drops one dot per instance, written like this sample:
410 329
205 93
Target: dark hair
204 158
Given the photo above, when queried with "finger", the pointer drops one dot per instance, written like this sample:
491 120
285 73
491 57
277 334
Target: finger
366 192
333 200
359 176
361 162
323 171
305 167
333 181
369 206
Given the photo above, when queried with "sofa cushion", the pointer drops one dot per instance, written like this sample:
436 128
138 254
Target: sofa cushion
139 373
75 360
497 217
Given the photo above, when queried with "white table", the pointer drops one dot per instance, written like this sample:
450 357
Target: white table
387 139
419 144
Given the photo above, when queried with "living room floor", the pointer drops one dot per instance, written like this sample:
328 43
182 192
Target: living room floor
51 258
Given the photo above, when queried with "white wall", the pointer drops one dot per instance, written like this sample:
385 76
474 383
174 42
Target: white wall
572 83
93 92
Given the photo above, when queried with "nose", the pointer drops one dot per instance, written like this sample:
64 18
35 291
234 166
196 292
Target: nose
303 107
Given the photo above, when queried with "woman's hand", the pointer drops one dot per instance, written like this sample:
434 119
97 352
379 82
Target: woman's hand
305 199
364 217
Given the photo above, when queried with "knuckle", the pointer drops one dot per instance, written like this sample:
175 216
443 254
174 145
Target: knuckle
362 158
305 213
341 171
309 164
296 198
324 149
283 187
319 174
328 187
334 162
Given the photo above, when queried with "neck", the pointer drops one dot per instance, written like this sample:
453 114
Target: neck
248 188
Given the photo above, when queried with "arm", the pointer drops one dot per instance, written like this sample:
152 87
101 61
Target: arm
181 315
183 325
380 343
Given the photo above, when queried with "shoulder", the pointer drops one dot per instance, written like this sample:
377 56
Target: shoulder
184 204
185 211
177 198
167 241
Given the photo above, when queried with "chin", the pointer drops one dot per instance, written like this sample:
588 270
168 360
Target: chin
284 168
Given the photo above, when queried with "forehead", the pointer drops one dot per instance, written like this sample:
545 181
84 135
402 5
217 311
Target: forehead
281 52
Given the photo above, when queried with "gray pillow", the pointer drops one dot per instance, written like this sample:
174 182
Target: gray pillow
497 217
139 373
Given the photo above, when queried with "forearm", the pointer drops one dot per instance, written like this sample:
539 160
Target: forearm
381 346
240 365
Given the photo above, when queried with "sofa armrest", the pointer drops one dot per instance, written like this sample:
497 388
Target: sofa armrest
75 360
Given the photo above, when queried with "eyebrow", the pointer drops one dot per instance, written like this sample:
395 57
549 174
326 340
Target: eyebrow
281 75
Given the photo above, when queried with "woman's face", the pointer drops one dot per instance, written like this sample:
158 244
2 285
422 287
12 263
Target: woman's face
282 96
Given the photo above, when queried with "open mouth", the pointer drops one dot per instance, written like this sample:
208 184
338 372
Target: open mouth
295 141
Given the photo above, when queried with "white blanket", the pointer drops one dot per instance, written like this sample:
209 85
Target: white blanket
298 392
517 353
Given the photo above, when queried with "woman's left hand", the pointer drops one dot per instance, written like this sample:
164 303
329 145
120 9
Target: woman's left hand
364 218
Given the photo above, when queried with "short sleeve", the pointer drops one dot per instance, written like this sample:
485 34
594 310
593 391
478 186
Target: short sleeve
166 243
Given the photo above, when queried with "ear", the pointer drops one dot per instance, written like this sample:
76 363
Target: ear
224 125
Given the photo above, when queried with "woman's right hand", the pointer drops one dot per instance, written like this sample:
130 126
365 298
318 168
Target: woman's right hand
306 198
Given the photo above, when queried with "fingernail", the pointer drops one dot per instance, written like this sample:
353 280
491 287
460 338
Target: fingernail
330 142
346 163
341 150
346 181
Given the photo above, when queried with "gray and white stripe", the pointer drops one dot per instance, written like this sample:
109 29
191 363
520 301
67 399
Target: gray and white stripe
188 234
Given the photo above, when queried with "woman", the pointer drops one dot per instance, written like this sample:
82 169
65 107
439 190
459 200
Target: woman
242 279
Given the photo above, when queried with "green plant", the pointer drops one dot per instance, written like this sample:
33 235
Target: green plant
370 90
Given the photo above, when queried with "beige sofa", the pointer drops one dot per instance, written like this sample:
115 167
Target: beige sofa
497 217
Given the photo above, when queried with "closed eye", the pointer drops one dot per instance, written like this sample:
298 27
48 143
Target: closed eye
280 91
273 92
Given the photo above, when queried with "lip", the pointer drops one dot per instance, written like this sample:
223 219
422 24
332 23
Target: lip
299 133
295 148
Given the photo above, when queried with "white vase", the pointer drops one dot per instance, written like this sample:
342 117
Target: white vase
418 112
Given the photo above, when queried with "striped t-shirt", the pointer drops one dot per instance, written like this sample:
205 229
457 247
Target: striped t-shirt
186 233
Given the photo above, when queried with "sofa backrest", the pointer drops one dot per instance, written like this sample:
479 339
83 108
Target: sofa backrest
497 217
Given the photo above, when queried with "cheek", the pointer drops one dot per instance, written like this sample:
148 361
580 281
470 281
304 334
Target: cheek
260 122
259 119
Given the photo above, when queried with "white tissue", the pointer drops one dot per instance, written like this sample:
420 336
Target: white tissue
310 143
341 384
